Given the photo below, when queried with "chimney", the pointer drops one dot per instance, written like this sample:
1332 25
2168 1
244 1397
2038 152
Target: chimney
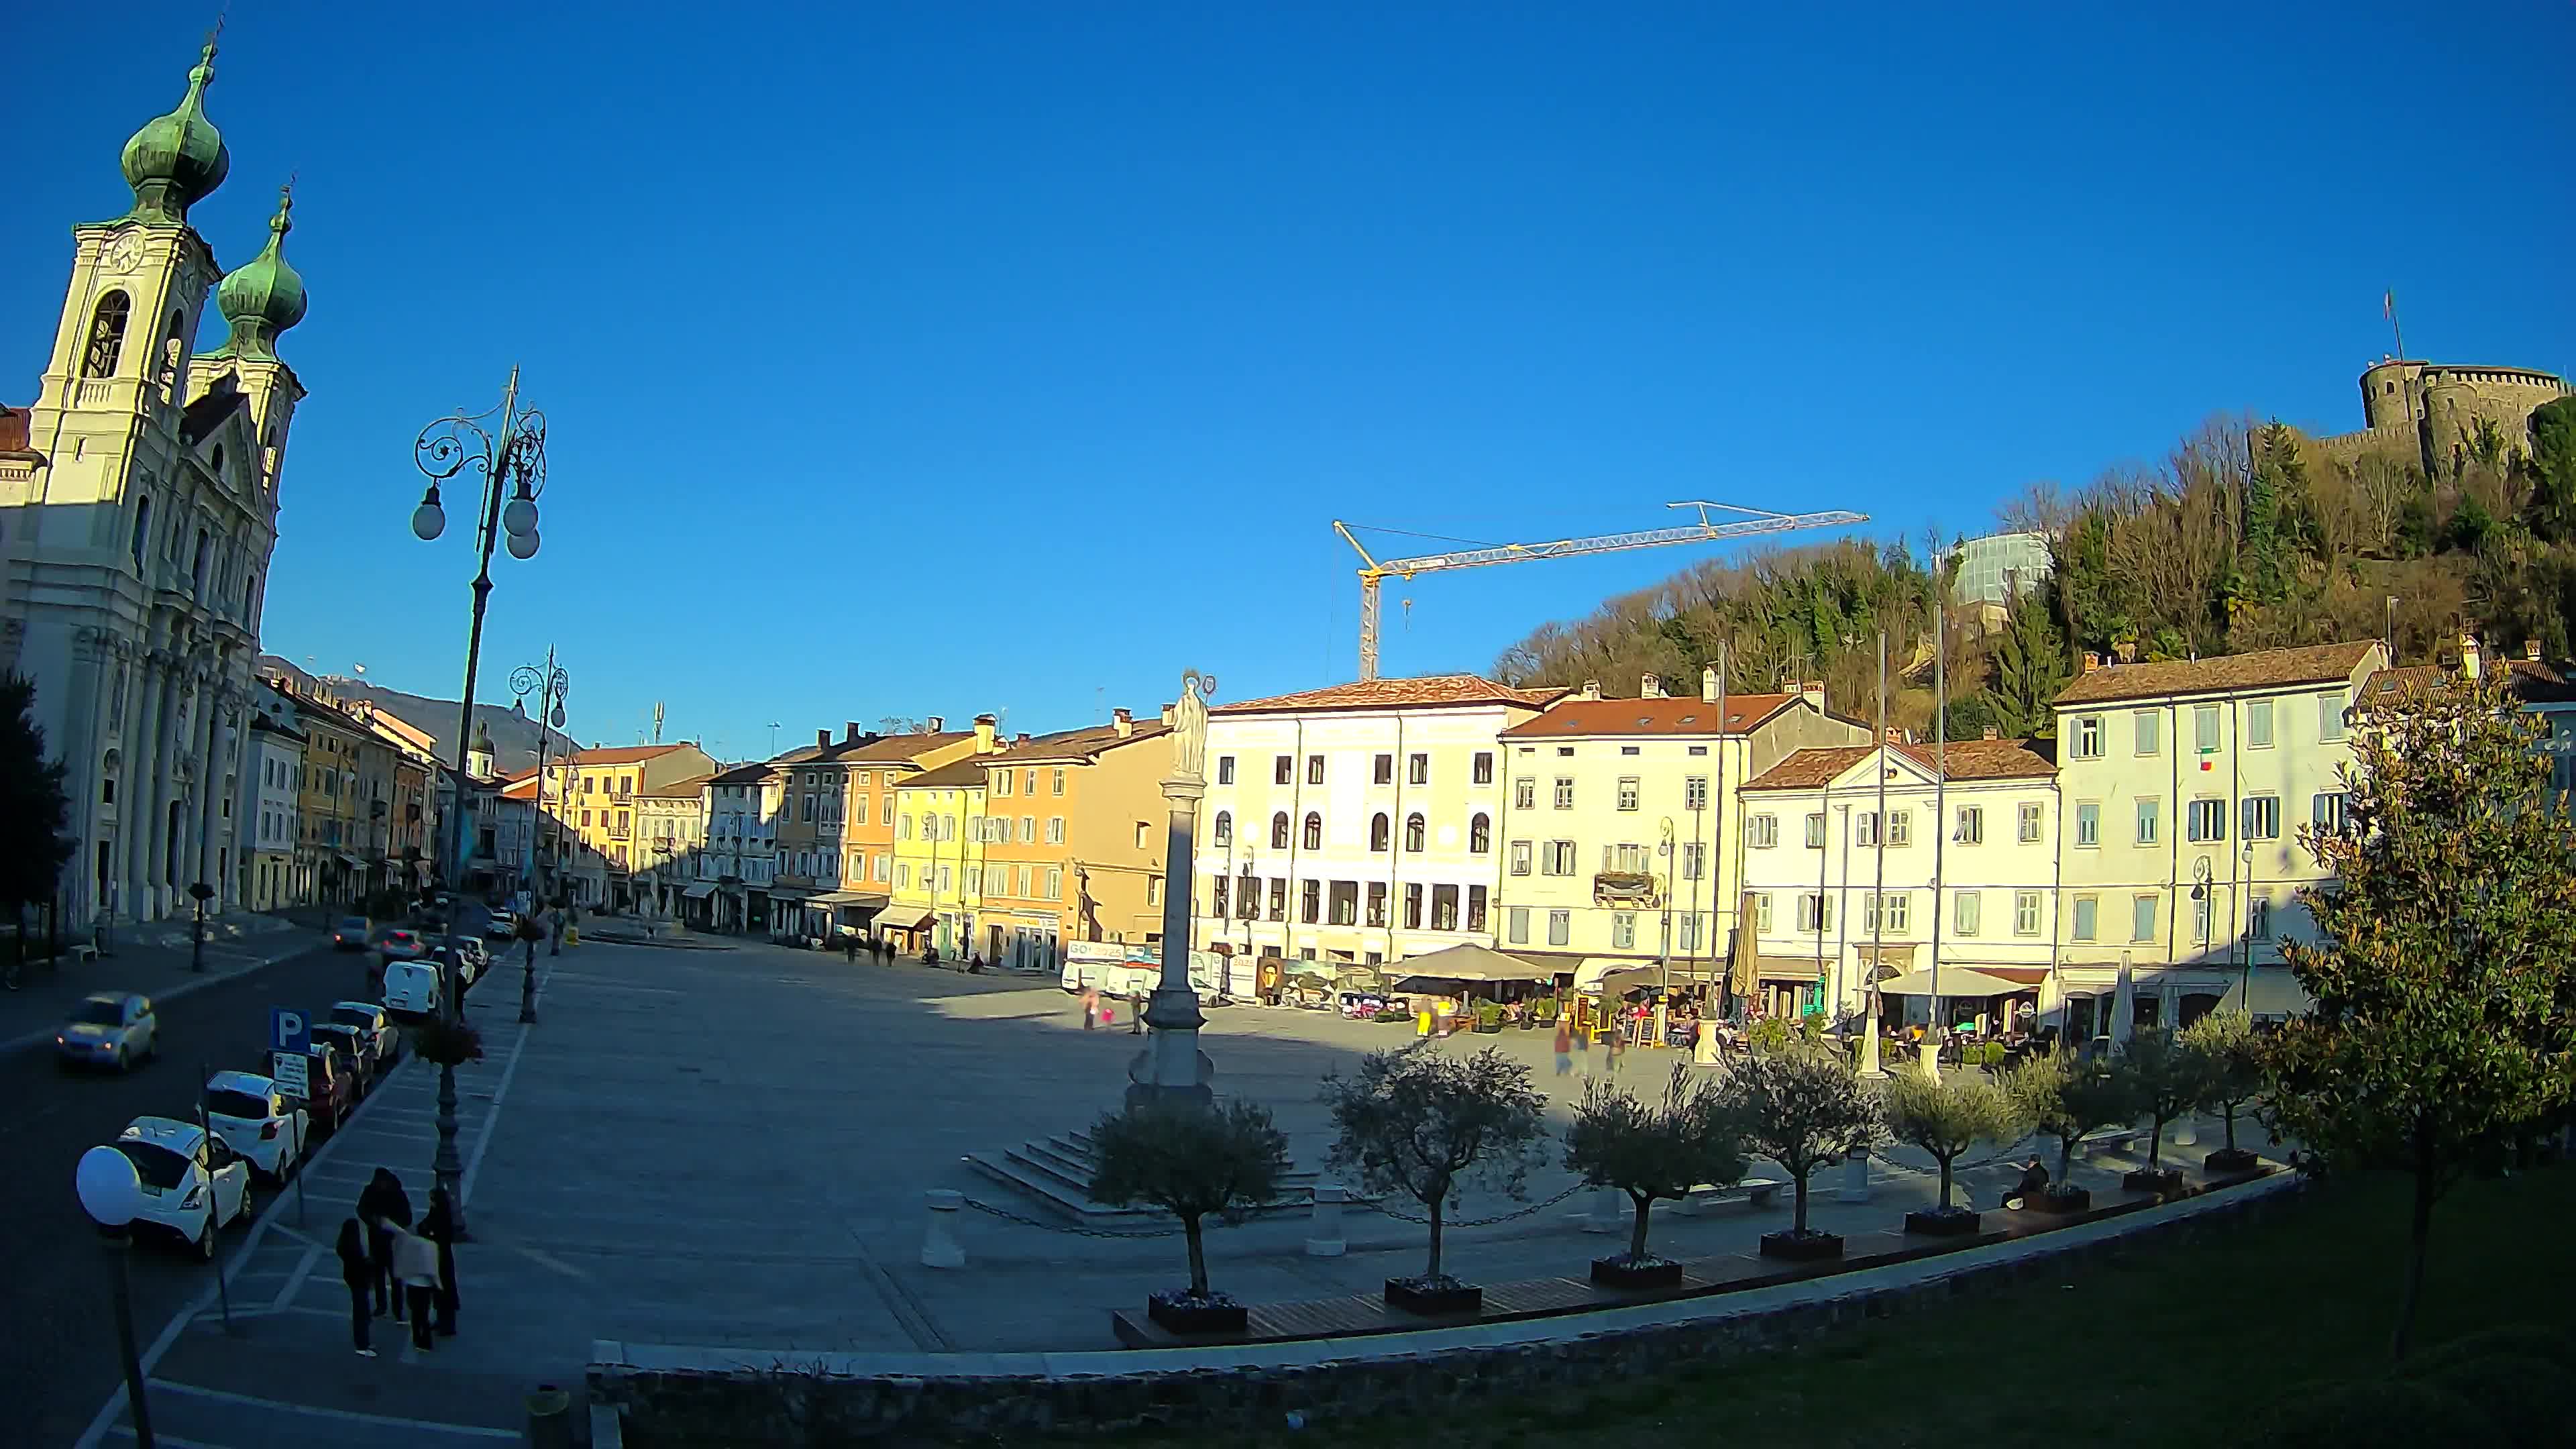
984 729
1124 721
934 725
2092 661
2531 650
1021 738
1651 687
850 731
822 739
1992 733
2470 659
1591 689
1708 685
1895 736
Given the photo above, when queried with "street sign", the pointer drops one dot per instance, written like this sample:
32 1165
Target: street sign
289 1030
290 1070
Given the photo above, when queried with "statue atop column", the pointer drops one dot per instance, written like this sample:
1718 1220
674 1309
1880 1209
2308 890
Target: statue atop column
1190 725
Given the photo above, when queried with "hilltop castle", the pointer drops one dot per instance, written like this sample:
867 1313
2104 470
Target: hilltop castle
2431 410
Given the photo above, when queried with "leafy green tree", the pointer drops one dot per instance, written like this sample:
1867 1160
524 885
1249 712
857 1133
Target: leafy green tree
2553 469
1802 1108
1946 1116
1653 1150
1192 1161
2232 1062
1425 1123
2169 1078
2445 1016
2066 1096
35 813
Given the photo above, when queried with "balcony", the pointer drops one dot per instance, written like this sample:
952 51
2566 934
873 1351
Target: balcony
1625 888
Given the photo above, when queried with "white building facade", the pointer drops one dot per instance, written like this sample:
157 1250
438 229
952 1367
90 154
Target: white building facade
742 806
266 820
1359 823
138 508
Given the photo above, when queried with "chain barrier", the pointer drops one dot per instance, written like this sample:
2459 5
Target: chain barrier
1026 1221
1425 1219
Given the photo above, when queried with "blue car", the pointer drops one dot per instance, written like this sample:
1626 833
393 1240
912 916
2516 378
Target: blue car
109 1029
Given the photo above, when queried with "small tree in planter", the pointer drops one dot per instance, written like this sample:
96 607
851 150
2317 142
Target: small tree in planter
1649 1151
2235 1077
447 1041
1425 1123
2067 1097
1191 1161
1946 1116
2169 1078
1802 1108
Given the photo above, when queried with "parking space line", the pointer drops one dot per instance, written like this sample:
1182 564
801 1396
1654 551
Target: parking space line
345 1416
170 1440
295 1280
491 1119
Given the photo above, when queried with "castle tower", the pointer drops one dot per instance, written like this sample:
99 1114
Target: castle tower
2391 394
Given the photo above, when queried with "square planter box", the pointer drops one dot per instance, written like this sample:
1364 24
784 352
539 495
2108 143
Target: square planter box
2230 1159
1180 1315
1814 1247
2160 1180
2059 1204
1434 1302
1618 1273
1942 1225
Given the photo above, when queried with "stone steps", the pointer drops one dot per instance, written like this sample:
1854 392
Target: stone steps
1055 1173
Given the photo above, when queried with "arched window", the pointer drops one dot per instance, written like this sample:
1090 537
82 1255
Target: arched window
1413 834
106 336
1480 834
1224 827
1314 831
174 345
107 779
1378 831
197 569
142 527
1279 831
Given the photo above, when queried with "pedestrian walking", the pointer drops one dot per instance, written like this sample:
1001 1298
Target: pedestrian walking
1090 1008
357 1270
1613 1048
386 1210
554 933
1564 1049
416 1269
439 1226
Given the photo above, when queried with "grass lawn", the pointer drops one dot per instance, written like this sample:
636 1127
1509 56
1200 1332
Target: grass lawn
2163 1348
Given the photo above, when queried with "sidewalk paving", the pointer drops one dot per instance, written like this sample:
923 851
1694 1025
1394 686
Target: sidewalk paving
152 958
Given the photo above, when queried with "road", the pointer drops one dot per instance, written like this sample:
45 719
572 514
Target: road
57 1344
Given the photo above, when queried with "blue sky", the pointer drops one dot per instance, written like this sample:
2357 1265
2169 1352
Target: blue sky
929 359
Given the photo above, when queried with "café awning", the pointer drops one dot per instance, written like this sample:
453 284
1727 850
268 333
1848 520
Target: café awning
353 862
698 892
1956 981
846 898
1470 963
903 918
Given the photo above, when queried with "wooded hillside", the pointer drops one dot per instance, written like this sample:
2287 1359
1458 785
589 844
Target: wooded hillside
2247 537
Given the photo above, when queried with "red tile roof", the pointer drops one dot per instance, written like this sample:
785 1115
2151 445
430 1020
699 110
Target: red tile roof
1423 691
894 749
620 754
2263 669
1967 760
1687 716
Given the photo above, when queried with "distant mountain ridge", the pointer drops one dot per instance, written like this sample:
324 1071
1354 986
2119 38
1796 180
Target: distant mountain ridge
514 735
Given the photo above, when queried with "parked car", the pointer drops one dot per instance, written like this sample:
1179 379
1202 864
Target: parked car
384 1044
108 1028
411 989
473 959
399 944
193 1185
354 933
357 1051
255 1119
503 925
334 1091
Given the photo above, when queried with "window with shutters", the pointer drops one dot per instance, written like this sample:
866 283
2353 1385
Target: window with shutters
2207 821
2259 817
2025 913
1377 903
1520 857
1815 833
1623 930
1761 832
1560 927
1310 901
1967 911
1524 793
1413 907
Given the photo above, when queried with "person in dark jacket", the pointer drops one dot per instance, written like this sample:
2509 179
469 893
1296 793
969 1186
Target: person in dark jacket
2034 1181
384 1207
358 1270
439 1226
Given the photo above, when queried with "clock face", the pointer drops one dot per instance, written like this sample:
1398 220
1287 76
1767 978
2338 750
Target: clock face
124 253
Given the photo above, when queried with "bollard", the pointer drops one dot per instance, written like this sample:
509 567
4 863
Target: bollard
939 1245
1604 1215
1855 1186
2183 1134
549 1418
1324 1233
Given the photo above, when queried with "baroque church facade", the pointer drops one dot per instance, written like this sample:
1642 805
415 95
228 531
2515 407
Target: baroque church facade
138 513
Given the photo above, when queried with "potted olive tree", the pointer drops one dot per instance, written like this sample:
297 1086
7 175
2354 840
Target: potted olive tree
2067 1096
1946 1116
2225 1041
1802 1107
1652 1150
2169 1078
1192 1161
1424 1123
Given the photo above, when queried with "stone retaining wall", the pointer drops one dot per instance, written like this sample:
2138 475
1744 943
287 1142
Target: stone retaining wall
684 1398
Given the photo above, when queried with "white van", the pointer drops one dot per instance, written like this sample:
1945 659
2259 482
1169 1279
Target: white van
411 988
1124 969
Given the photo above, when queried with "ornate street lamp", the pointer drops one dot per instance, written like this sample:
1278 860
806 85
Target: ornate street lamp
511 457
549 684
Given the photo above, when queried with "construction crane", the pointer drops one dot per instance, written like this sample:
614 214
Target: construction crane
1756 521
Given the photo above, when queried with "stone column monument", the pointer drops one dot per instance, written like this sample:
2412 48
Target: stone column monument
1171 1069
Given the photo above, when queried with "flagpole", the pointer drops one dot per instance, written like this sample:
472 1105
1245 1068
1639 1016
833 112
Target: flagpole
2388 304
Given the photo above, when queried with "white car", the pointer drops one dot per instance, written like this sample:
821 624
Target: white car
384 1044
258 1121
193 1185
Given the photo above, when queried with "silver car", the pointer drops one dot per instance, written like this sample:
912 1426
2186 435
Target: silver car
109 1029
374 1028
